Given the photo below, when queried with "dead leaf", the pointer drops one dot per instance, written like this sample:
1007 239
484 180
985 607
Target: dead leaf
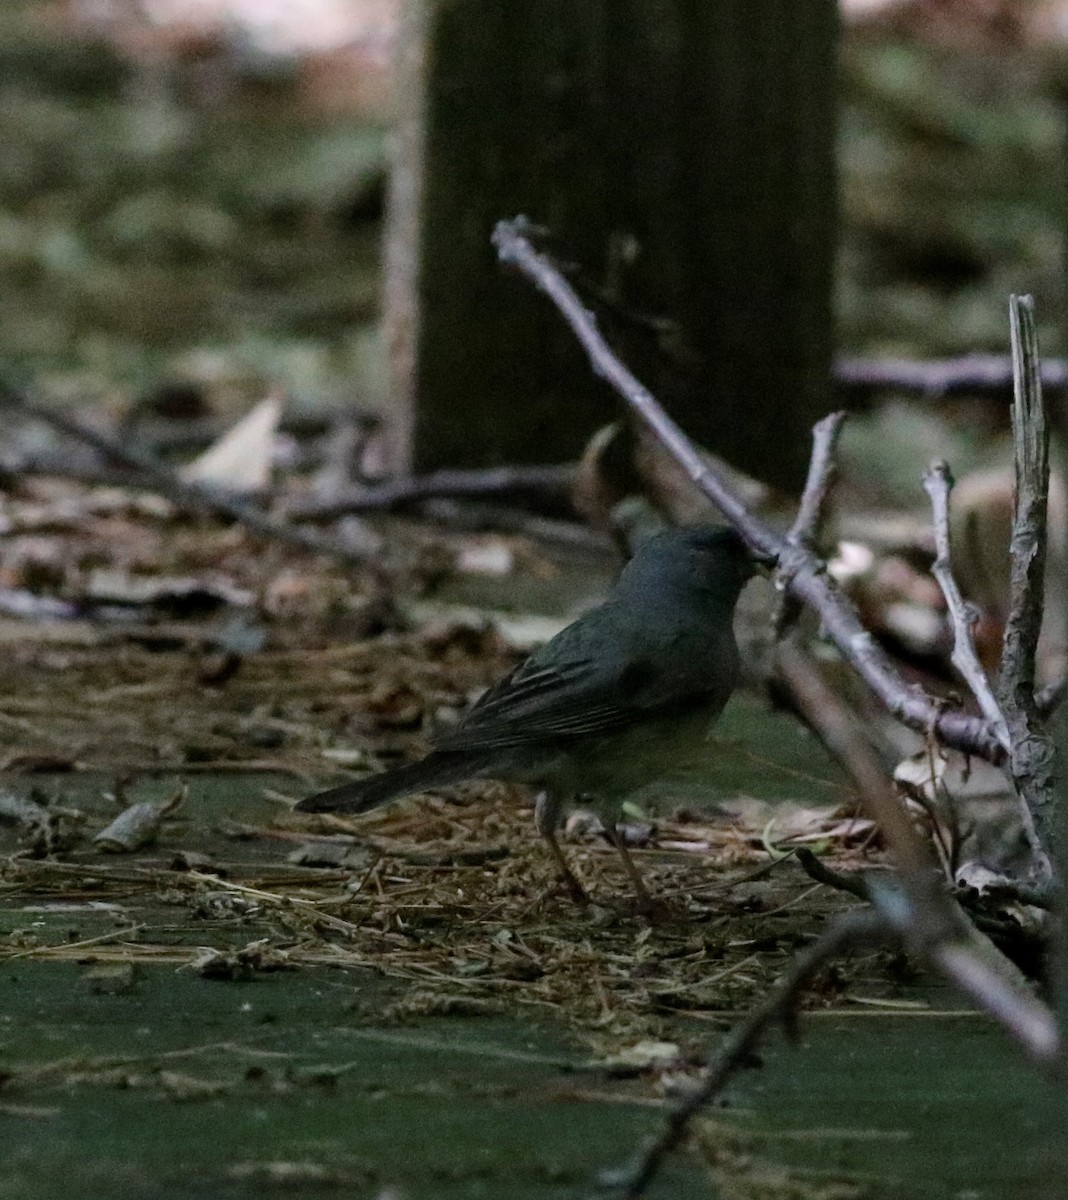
138 825
241 460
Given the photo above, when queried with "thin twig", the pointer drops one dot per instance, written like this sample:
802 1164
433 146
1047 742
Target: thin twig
1031 758
503 518
801 572
860 928
116 935
938 483
806 528
825 713
58 464
195 497
852 882
959 953
822 475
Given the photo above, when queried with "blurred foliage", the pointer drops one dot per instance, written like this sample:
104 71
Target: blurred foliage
953 196
167 217
148 212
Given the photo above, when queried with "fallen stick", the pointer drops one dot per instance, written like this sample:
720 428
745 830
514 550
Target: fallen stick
190 497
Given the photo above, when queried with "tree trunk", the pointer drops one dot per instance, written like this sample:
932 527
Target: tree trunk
682 153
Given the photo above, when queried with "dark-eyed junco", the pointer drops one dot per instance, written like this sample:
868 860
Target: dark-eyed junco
622 698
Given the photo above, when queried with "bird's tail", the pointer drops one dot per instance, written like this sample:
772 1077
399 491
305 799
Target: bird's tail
436 770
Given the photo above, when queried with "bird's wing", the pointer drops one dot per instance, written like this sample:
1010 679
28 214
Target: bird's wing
576 686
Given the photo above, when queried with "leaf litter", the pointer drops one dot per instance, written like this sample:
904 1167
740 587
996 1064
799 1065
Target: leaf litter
452 897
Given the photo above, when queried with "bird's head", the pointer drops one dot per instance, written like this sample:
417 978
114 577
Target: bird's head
710 560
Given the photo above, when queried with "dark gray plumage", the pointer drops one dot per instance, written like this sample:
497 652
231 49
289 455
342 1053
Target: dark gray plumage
621 698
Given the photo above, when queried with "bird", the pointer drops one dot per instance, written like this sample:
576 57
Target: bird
621 698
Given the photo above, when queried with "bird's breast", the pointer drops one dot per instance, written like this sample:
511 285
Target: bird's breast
670 747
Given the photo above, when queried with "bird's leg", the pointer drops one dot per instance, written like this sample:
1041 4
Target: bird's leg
611 831
546 818
574 887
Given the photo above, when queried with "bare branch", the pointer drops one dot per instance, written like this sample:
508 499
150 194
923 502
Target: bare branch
938 483
825 713
987 375
979 971
801 572
1031 758
960 954
970 961
1028 547
917 913
514 247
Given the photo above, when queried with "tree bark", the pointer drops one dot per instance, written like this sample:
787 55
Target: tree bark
682 153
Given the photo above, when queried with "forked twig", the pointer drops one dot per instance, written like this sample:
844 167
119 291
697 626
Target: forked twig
938 483
801 572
